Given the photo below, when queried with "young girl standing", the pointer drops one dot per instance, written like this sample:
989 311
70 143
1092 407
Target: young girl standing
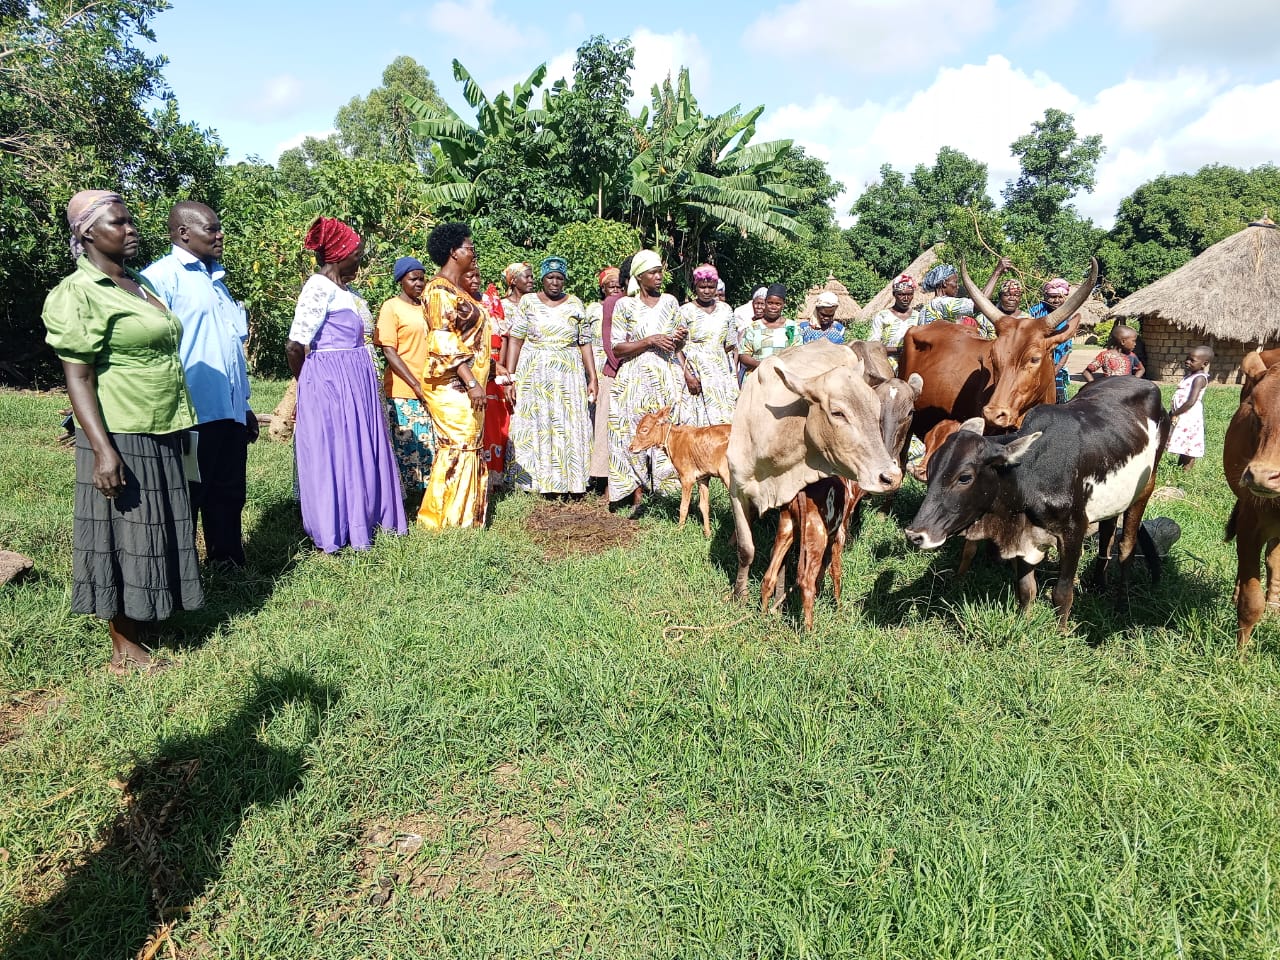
1187 438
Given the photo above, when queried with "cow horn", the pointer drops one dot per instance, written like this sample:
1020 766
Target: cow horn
1076 300
988 309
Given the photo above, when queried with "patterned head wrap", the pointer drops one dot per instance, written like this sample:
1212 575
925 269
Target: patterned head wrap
705 271
406 265
553 265
331 239
1013 283
514 270
642 262
827 299
939 275
904 281
605 275
83 211
1056 286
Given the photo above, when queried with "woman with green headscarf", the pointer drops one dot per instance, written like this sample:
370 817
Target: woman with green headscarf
549 353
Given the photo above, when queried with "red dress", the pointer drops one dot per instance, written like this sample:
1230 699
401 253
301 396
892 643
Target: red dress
497 415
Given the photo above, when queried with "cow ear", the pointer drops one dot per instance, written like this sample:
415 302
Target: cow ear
800 386
1013 453
974 425
916 383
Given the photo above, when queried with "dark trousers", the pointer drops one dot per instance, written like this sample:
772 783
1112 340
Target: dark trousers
218 499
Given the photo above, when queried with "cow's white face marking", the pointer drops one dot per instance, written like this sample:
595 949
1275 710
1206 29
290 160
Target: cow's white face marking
1112 495
930 542
893 393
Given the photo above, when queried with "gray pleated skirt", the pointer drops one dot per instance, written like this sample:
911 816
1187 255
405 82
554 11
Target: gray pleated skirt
135 555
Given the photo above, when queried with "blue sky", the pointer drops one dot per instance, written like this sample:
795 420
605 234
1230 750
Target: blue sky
1170 86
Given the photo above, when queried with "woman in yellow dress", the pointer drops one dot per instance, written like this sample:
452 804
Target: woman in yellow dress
453 380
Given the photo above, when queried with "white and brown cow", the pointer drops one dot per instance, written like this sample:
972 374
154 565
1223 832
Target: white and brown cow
806 413
1086 461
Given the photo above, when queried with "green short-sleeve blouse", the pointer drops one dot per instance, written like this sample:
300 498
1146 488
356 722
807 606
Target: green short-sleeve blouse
131 345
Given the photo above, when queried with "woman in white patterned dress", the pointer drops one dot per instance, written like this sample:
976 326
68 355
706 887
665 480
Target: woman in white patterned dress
645 338
549 349
709 356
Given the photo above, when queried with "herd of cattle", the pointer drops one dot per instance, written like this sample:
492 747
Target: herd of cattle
820 425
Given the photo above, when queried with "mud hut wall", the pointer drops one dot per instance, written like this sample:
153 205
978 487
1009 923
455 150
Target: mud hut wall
1168 344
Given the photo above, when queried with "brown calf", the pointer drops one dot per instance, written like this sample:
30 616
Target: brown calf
697 453
1251 462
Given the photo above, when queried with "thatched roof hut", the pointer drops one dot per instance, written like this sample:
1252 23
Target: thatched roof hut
918 268
847 310
1228 297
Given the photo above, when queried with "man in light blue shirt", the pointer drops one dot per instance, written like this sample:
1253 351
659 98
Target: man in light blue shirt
214 330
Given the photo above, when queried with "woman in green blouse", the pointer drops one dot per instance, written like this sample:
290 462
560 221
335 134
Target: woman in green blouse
134 541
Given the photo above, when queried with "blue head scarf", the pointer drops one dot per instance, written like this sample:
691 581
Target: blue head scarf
406 265
553 265
936 277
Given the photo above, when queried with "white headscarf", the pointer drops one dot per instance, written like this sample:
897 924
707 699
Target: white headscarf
642 262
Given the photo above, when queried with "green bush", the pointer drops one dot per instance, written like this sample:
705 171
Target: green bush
589 247
494 252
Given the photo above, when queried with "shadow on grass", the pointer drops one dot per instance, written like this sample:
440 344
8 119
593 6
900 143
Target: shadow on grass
182 810
272 549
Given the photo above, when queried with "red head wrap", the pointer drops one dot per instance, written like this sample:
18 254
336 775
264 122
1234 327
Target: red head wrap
331 239
905 281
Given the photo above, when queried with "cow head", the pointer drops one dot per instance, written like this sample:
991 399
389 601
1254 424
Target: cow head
897 405
652 430
841 425
1022 353
1261 476
964 477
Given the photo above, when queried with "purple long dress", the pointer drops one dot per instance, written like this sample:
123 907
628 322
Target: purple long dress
347 474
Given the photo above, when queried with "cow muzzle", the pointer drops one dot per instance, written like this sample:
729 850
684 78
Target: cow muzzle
1001 418
924 539
1262 480
888 480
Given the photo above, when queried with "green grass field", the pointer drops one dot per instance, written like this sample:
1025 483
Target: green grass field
484 744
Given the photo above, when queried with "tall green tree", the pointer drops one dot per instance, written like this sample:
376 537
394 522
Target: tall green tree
1056 163
378 126
595 131
697 174
76 96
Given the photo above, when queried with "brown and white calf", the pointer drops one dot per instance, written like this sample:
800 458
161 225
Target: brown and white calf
1251 462
820 513
697 453
1091 460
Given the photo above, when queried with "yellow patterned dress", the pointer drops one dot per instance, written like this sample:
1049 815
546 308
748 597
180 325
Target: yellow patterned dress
456 494
551 425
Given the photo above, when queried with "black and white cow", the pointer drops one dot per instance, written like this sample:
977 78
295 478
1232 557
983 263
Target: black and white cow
1068 466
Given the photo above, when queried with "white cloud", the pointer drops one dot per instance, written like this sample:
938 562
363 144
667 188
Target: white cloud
870 35
476 25
1221 32
279 98
659 55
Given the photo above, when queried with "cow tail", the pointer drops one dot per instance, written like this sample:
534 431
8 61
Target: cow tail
1231 523
1149 553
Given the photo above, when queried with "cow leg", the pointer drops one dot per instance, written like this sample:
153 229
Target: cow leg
1106 532
781 547
1064 591
704 504
744 543
686 494
1250 602
967 553
1024 580
1273 575
809 568
837 562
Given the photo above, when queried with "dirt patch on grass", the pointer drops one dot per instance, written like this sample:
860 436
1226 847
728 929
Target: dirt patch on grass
414 856
584 526
17 708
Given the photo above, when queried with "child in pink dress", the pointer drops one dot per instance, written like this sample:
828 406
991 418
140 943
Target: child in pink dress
1187 438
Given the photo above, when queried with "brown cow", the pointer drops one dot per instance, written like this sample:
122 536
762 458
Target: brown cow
999 380
1251 462
697 453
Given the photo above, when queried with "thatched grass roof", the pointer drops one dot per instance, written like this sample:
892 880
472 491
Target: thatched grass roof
1231 291
847 310
918 268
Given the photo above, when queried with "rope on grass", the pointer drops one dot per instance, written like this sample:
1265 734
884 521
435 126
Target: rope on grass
676 631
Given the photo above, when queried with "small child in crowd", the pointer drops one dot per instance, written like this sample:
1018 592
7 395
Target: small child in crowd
1187 438
1118 360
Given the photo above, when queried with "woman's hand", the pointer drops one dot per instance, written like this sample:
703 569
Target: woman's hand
108 473
593 389
661 341
693 383
475 393
509 395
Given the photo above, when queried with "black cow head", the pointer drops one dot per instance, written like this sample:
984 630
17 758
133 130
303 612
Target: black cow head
964 479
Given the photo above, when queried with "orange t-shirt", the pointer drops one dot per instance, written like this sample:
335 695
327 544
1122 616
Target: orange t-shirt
402 327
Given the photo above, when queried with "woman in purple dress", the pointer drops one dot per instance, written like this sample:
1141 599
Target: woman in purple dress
347 475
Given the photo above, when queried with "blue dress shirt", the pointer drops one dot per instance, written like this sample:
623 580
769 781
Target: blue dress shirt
214 330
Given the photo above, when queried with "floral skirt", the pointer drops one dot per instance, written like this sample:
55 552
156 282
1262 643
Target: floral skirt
414 441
